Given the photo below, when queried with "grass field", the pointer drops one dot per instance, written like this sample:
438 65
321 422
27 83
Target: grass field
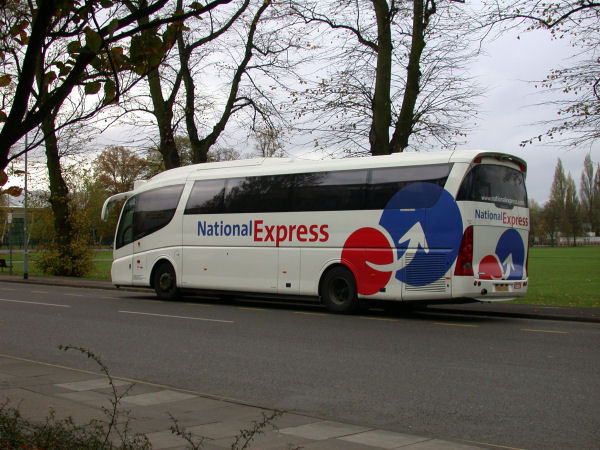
565 276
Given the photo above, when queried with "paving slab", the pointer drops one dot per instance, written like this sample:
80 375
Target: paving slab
36 407
323 430
91 384
156 398
165 440
436 444
383 439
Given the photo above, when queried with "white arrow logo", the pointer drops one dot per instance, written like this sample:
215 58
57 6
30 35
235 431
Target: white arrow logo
415 237
508 263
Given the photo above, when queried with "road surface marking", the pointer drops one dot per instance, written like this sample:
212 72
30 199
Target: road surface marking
464 325
491 445
247 308
381 319
39 292
310 313
176 317
34 303
75 295
529 330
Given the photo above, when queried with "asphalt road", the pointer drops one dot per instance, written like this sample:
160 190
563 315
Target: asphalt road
501 381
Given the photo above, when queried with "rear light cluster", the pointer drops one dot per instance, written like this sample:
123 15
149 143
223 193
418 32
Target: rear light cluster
464 261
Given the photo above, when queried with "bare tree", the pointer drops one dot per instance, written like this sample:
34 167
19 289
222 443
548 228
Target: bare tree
96 34
574 88
394 67
116 168
269 142
589 193
572 210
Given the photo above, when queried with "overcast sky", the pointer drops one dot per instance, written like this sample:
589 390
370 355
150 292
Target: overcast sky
508 115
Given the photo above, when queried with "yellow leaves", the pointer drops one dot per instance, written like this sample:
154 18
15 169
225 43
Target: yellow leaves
14 191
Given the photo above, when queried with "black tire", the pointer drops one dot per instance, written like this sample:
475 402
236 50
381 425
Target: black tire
338 291
165 282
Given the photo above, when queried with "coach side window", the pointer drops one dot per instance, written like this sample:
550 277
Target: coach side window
385 182
330 191
271 193
154 209
206 197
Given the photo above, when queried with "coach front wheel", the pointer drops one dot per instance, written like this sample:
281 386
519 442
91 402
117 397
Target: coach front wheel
338 291
165 282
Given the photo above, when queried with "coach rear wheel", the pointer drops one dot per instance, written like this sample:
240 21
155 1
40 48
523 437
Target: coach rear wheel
165 282
339 290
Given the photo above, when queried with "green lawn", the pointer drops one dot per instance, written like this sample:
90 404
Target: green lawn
564 276
101 270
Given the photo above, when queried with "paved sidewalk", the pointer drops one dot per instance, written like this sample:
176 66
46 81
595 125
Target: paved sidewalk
35 387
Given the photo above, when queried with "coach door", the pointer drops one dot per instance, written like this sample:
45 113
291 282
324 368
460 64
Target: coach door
121 270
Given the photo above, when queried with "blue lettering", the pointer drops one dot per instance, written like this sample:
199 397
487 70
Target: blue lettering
218 228
201 228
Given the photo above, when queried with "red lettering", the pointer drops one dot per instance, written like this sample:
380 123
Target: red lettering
302 230
269 230
313 233
257 230
291 232
324 233
281 234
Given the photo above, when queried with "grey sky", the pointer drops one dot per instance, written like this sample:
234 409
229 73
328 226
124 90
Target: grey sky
508 113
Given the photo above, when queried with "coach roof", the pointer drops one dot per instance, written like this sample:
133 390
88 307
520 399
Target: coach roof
267 166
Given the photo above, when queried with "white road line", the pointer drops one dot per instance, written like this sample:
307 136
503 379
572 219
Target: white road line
177 317
530 330
34 303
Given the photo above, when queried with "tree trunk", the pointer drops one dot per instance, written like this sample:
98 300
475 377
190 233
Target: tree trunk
164 118
406 118
379 136
59 192
199 152
200 147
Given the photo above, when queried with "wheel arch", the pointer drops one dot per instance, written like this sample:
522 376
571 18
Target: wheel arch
159 261
328 269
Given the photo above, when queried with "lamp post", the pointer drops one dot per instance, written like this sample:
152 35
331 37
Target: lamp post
25 238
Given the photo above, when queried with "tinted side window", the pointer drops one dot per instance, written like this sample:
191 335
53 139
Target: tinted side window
330 191
206 197
259 194
500 185
384 183
154 209
125 231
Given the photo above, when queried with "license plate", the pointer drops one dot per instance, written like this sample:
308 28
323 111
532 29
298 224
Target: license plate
502 288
